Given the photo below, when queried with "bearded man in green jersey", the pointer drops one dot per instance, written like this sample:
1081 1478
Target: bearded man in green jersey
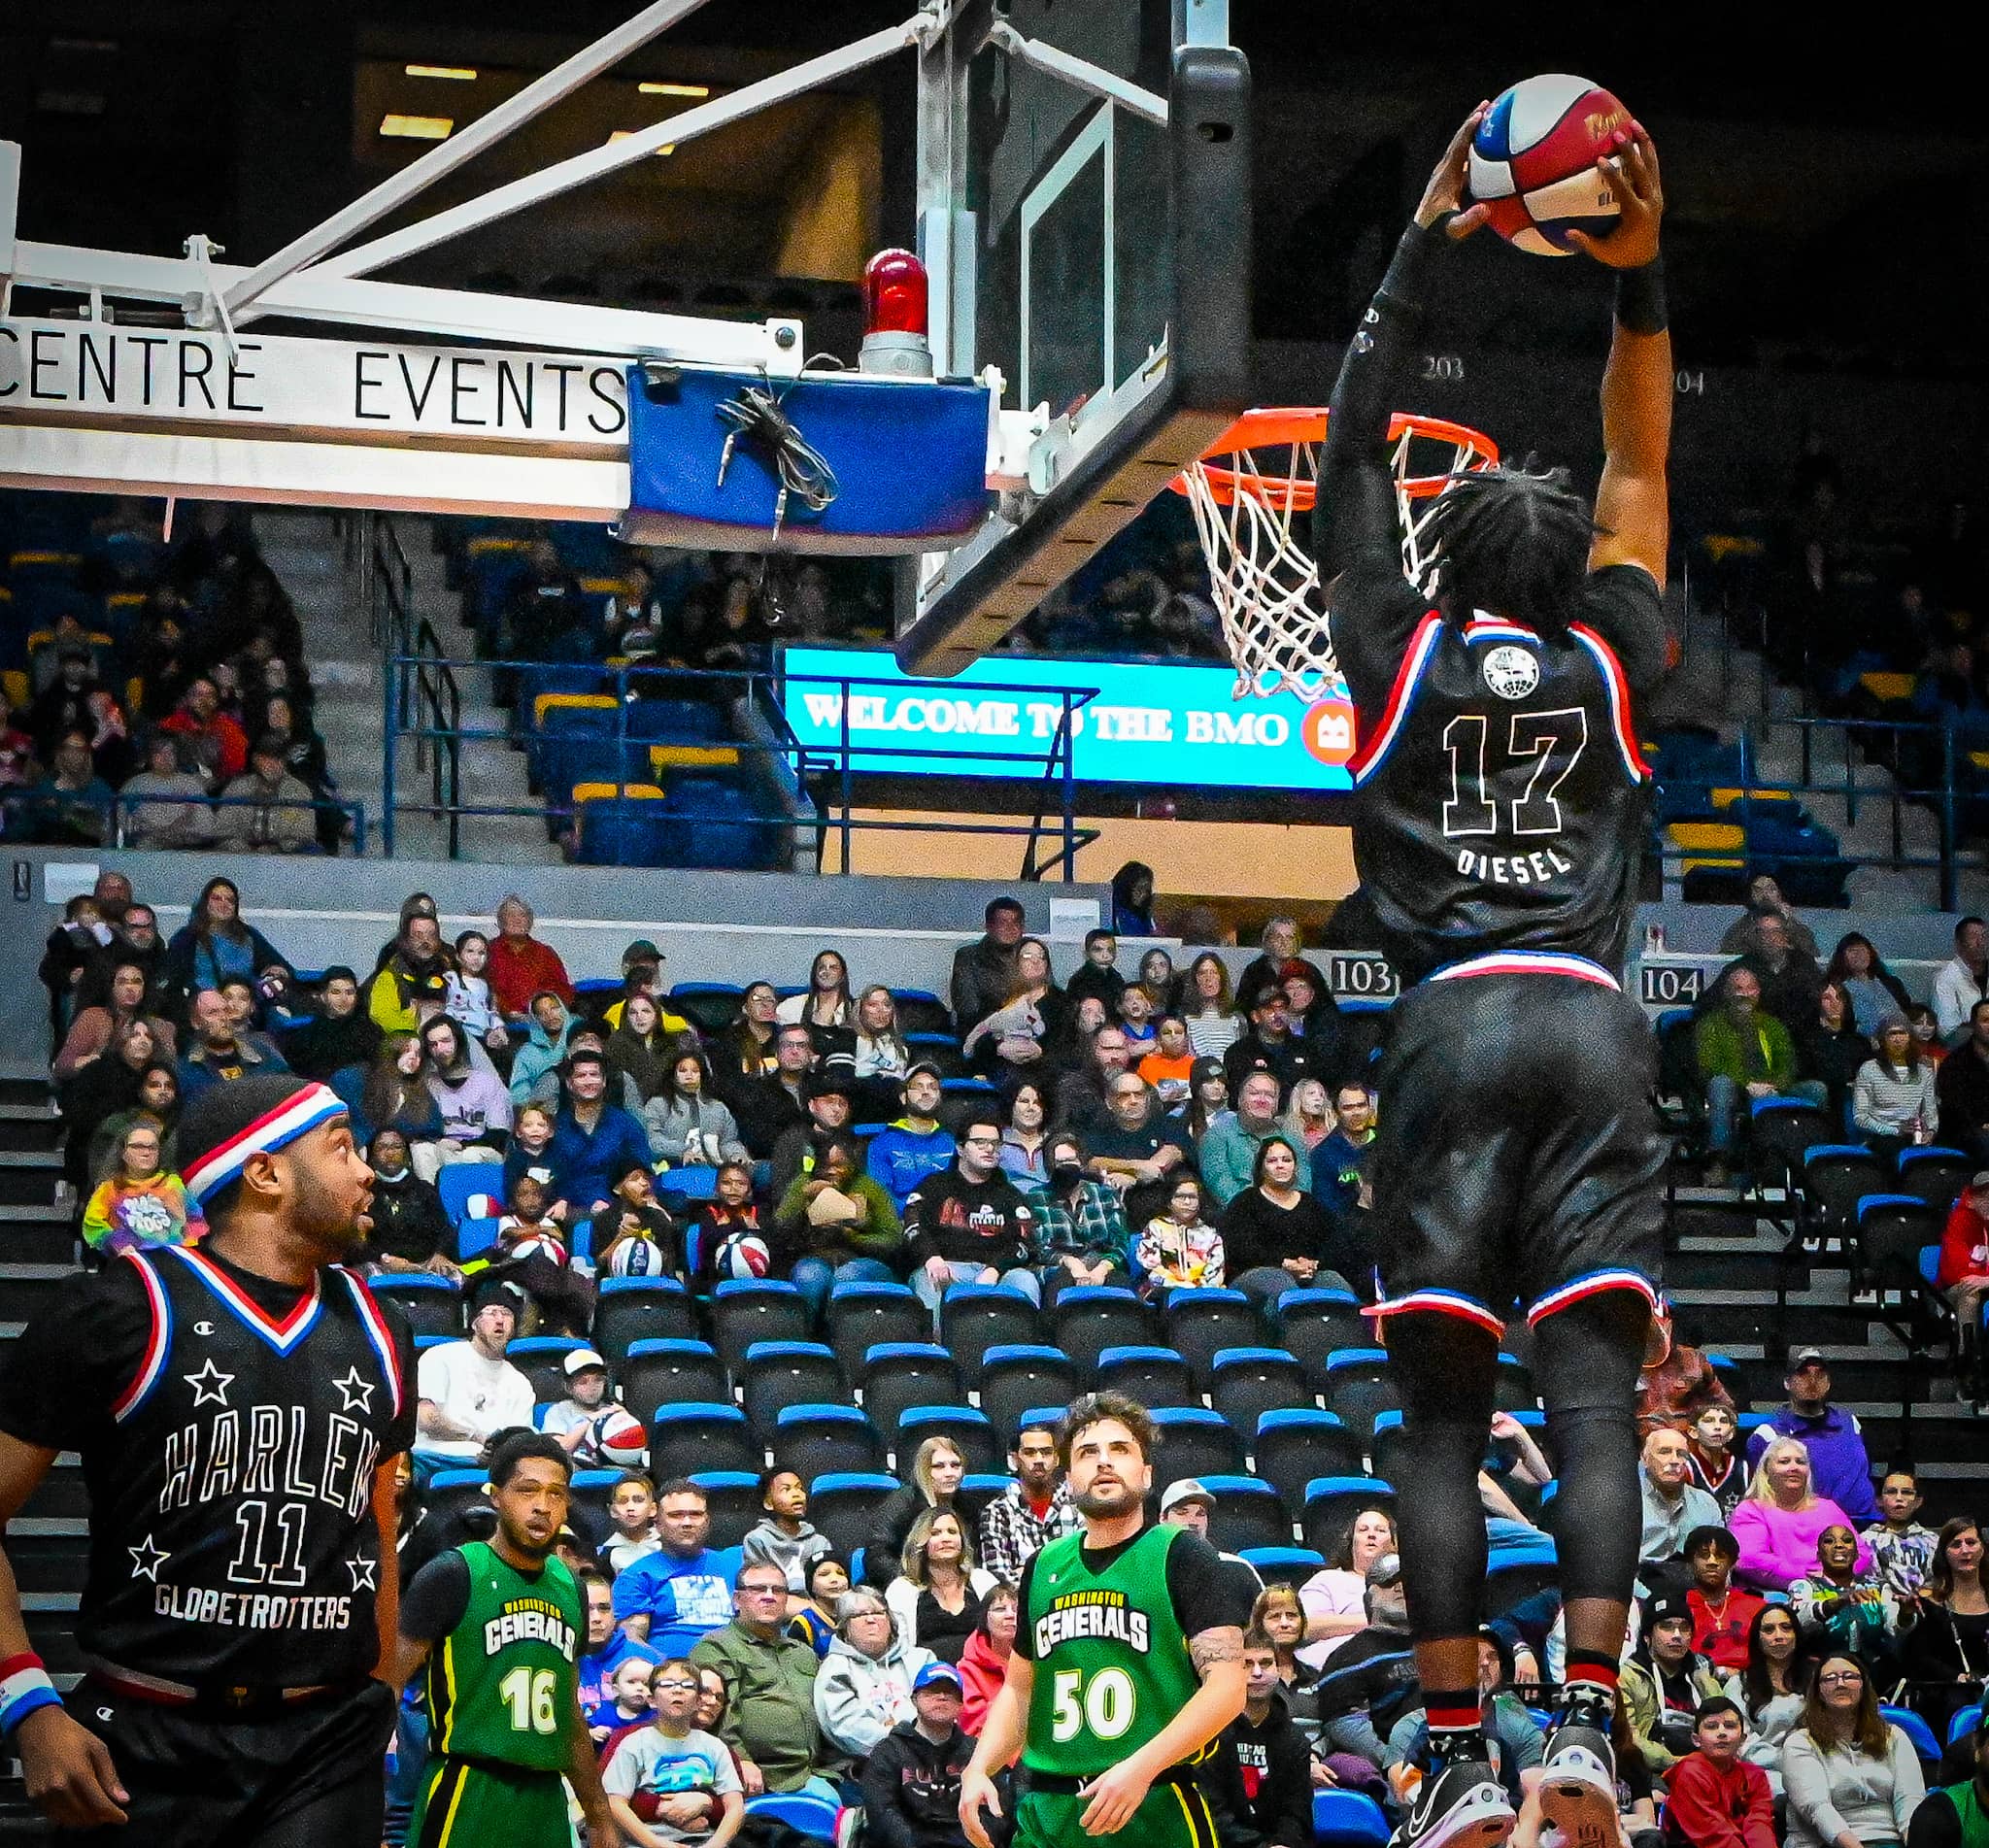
500 1625
1128 1662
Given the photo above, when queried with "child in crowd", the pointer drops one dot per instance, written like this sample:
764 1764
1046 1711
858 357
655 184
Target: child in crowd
632 1508
531 1135
1722 1612
1718 1800
595 1430
535 1254
1179 1250
671 1781
628 1701
138 1208
1136 1018
1716 1466
1840 1609
1169 1067
641 1239
468 1001
730 1210
1902 1549
812 1619
783 1536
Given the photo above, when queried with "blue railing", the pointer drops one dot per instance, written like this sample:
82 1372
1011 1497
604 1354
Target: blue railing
755 697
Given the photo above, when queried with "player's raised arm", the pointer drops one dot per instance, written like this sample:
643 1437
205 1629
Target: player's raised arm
1354 518
1633 508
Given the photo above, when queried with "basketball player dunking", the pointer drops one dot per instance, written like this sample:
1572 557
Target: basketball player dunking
237 1408
1499 828
1128 1660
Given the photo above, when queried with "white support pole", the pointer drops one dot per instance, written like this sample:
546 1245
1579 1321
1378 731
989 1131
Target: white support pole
564 175
1080 73
448 314
447 156
10 202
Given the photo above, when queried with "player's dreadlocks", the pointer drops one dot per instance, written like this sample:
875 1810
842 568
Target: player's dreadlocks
1513 541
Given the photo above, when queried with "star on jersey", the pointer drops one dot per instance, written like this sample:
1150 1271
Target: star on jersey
147 1559
358 1393
362 1575
209 1383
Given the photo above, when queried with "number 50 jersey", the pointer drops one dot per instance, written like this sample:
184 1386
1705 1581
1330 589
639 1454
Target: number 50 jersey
1502 802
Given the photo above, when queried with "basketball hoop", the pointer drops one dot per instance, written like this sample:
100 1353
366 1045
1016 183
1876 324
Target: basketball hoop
1264 578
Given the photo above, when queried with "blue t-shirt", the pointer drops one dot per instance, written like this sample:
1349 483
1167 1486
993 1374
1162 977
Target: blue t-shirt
683 1599
900 1157
597 1671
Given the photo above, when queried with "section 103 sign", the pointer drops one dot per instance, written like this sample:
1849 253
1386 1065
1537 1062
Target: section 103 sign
1163 724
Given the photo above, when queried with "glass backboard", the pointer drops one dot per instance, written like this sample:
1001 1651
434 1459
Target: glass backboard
1083 209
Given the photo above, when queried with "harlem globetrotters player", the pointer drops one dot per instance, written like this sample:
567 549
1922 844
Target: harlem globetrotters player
237 1408
1498 825
1128 1662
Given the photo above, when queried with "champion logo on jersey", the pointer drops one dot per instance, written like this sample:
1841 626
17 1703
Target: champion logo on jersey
1510 671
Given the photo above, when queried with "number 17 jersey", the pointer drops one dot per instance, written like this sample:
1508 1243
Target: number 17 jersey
1502 802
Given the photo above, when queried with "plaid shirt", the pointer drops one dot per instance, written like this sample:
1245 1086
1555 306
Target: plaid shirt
1010 1532
1097 1226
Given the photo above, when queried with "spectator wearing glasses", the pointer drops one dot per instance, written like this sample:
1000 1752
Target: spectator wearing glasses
968 1224
863 1687
1850 1776
1229 1149
670 1780
769 1681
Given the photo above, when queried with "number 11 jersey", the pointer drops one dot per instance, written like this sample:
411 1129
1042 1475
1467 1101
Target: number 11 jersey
1502 802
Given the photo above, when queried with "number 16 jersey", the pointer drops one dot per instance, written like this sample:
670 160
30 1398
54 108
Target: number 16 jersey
1502 801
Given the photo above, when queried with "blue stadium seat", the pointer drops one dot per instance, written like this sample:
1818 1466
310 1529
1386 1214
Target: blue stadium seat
1245 1382
843 1505
1284 1564
1359 1387
668 1370
1017 1378
1201 1323
460 1182
1195 1442
686 1438
432 1305
777 1374
746 1310
1153 1375
966 1427
1091 1318
813 1817
1316 1324
976 1318
1919 1735
1298 1445
732 1497
1965 1721
1332 1502
897 1375
1247 1513
825 1440
1939 1176
1345 1819
630 1309
861 1316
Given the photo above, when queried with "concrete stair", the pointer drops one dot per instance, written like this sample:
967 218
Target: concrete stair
307 551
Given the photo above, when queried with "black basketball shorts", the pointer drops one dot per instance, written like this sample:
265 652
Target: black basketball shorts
311 1777
1518 1162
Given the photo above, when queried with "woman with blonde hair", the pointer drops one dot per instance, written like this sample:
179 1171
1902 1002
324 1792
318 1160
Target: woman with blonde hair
939 1599
937 1467
1781 1517
1851 1778
1308 1118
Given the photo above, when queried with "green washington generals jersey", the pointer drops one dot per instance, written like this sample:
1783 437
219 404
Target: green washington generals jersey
503 1682
1110 1655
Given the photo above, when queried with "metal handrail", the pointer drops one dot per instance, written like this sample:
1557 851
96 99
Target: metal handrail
760 688
432 690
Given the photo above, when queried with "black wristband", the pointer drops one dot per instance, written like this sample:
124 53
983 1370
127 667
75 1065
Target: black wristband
1640 298
1402 287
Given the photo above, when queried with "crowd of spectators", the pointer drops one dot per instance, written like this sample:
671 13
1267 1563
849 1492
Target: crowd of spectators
1060 1134
186 720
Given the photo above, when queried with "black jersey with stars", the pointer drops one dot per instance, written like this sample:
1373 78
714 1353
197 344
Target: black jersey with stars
230 1428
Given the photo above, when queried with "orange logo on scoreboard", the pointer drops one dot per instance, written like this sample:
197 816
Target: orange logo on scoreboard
1327 731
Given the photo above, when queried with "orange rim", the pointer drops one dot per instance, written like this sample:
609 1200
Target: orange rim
1275 428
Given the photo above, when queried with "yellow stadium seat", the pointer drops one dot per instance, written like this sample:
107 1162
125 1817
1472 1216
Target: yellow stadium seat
1889 688
610 792
19 559
1979 759
481 547
134 694
571 702
605 587
1707 837
1726 798
14 679
692 757
1722 546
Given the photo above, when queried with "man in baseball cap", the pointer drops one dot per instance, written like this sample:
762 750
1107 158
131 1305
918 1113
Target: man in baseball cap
1188 1503
1838 1465
911 1781
915 1144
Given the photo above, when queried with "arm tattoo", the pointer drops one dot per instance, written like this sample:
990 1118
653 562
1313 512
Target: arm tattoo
1208 1647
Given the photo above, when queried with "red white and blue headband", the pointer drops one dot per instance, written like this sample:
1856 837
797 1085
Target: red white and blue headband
296 1116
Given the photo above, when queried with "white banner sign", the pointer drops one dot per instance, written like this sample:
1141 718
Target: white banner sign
107 376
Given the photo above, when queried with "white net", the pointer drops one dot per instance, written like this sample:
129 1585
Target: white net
1253 509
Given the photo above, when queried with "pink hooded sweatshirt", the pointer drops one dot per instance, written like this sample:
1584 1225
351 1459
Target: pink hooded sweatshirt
1779 1547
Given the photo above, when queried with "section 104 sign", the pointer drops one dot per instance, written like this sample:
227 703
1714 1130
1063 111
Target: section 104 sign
1163 723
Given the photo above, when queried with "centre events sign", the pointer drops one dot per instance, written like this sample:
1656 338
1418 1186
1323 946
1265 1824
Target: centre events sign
1167 724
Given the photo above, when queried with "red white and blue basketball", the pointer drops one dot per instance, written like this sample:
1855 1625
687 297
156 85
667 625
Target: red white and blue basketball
541 1245
615 1439
1534 163
636 1258
743 1255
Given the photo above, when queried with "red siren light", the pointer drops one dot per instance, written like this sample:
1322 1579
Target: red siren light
895 293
